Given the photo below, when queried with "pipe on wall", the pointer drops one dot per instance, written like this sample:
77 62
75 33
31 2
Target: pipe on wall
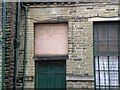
17 44
25 44
3 42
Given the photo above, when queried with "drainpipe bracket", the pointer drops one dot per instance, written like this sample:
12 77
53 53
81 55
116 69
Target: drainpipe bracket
3 45
24 61
3 37
17 43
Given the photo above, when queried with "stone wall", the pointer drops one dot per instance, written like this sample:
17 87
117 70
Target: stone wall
80 37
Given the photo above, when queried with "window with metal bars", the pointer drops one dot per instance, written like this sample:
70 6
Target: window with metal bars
106 55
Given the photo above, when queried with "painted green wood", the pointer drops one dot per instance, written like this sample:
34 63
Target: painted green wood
51 74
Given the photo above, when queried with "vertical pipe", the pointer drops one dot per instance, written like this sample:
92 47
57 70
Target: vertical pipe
3 41
94 56
25 46
17 45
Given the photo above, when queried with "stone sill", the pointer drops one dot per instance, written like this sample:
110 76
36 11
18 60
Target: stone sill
79 78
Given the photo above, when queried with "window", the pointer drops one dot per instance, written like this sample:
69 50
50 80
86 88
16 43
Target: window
106 55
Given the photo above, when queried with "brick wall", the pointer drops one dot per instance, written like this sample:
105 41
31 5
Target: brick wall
10 35
0 41
80 36
21 49
80 39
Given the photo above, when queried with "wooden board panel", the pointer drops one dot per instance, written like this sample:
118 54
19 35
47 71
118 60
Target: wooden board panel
51 39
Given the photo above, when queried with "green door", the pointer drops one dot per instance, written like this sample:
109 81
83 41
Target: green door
51 74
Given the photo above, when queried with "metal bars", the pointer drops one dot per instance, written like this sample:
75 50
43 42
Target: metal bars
106 55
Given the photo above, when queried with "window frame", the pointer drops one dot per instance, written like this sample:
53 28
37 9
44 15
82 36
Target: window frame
118 42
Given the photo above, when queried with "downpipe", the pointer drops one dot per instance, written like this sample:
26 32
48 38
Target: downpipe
17 45
25 44
3 43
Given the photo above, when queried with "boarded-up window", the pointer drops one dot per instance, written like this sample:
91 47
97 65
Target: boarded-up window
51 39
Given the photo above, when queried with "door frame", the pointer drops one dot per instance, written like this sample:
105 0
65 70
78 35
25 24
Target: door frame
36 70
